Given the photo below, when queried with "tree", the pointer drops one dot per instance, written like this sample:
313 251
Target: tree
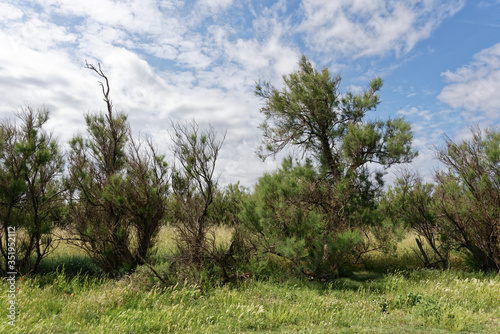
290 215
146 188
196 215
194 185
227 204
12 185
118 189
414 204
310 113
469 195
462 209
30 189
286 218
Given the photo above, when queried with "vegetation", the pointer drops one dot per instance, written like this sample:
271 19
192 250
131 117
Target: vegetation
412 203
31 202
117 191
403 301
128 240
196 211
462 209
469 196
321 217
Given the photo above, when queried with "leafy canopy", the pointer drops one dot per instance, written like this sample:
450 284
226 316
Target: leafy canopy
311 114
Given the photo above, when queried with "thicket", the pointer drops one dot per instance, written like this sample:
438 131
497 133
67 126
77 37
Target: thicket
31 200
461 210
317 215
116 191
323 215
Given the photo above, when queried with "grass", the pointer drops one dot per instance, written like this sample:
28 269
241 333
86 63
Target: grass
407 257
403 301
166 240
420 301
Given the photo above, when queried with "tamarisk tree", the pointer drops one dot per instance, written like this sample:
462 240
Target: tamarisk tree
31 200
468 194
197 203
118 189
462 209
310 113
331 129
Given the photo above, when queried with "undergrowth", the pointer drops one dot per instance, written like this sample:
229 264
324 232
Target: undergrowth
70 295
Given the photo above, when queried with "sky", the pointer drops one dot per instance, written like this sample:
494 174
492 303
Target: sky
183 60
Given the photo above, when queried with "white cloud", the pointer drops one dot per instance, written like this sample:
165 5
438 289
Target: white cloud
168 59
372 27
489 3
136 16
269 54
44 77
474 87
425 115
215 5
9 12
42 61
191 56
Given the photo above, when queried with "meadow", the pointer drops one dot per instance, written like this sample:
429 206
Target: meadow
388 294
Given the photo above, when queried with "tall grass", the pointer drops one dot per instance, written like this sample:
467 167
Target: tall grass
70 296
421 301
407 257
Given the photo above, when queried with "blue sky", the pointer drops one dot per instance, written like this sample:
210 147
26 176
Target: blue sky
171 59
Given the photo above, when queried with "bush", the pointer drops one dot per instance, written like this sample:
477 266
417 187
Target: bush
31 201
290 215
199 208
118 189
469 195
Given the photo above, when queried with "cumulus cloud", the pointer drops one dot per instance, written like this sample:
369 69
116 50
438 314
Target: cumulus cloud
210 76
174 59
415 112
372 27
474 87
9 12
215 5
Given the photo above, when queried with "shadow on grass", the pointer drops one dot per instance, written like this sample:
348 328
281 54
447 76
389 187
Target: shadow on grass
71 265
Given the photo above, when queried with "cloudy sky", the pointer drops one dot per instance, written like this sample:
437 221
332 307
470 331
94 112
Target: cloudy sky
184 60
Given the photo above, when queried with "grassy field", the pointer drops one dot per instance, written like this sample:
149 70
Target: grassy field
403 301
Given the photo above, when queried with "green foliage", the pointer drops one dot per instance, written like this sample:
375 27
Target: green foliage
491 146
462 210
414 205
199 207
194 185
331 213
313 115
227 204
31 165
118 188
469 195
289 216
409 302
71 265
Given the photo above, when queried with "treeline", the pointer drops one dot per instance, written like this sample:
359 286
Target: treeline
317 215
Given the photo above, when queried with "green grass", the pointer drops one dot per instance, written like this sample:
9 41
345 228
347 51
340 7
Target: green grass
421 301
407 257
70 296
